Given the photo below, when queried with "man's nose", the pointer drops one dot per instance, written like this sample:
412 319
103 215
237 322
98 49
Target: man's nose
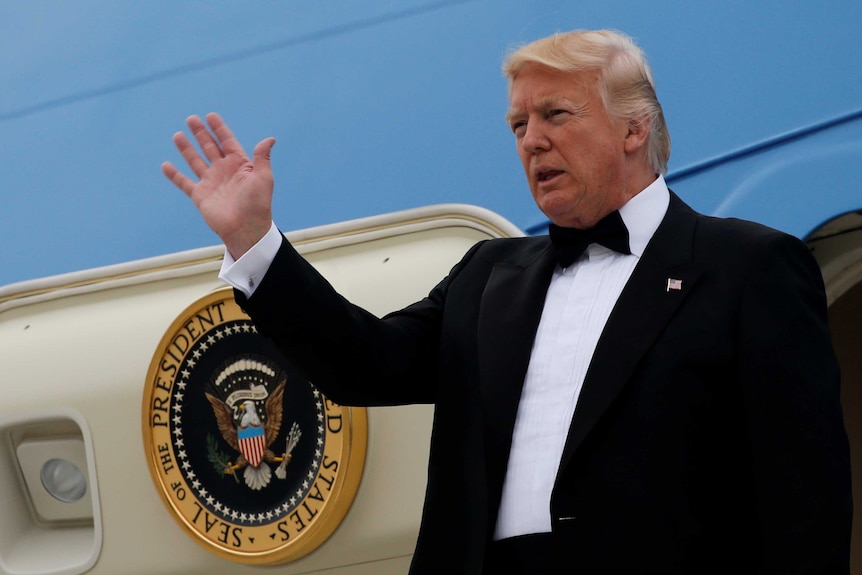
535 139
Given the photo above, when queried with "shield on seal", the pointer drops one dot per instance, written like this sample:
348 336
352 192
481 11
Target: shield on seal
252 443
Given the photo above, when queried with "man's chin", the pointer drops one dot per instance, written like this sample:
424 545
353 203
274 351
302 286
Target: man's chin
564 216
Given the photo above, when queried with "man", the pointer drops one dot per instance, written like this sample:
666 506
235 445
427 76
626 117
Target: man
666 406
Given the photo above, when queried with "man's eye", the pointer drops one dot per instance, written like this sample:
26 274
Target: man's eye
518 128
557 113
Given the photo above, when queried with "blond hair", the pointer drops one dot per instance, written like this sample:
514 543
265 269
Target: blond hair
625 80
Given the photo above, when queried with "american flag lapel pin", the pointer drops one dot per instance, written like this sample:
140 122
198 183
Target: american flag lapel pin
673 284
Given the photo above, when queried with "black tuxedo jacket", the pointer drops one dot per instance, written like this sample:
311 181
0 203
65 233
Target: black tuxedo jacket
708 437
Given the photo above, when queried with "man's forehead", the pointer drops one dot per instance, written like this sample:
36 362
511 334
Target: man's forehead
539 85
542 102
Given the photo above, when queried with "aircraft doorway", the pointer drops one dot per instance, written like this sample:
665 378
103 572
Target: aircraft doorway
837 245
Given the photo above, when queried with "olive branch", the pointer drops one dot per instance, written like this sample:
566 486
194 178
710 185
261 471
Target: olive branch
219 460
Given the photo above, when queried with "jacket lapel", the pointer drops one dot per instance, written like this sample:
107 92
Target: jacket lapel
644 308
509 315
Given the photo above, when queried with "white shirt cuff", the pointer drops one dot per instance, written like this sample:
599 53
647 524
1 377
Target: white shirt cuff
245 273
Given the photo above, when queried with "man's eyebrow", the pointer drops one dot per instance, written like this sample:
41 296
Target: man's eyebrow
513 113
549 102
545 103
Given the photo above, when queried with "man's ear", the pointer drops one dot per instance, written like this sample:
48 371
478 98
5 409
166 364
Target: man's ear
638 132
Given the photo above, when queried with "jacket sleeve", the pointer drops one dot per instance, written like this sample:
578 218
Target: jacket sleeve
791 392
355 357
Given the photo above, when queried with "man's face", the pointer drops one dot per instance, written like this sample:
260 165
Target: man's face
575 156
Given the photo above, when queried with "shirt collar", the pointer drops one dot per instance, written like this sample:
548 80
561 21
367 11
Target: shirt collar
644 212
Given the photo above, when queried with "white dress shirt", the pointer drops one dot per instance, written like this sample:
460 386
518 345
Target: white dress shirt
245 273
577 306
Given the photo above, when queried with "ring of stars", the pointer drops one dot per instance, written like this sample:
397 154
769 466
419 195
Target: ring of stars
203 496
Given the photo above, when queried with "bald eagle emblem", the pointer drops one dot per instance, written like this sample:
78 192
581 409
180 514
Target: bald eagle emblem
247 430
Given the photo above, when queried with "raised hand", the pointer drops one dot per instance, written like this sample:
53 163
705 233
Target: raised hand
233 193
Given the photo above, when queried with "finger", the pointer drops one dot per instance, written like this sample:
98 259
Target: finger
261 158
208 145
177 178
190 154
229 143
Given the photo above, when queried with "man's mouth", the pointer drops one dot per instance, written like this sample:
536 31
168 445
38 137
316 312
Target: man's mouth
546 175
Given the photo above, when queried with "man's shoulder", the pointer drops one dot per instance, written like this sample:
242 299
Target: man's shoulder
733 232
737 229
513 250
733 246
519 252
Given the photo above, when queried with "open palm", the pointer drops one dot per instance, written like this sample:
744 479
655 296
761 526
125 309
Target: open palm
233 193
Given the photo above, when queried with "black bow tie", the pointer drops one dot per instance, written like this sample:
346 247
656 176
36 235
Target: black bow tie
570 243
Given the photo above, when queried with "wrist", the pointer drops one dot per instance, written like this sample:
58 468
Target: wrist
237 244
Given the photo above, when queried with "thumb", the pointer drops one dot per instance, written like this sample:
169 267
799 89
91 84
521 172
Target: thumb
261 154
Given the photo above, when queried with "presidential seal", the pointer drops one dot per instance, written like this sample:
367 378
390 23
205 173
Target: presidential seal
250 458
